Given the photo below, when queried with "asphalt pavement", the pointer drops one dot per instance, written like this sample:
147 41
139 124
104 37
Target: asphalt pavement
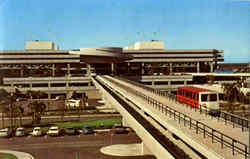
70 147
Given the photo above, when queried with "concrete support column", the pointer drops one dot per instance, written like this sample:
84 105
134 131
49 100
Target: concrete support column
113 68
88 69
185 82
171 68
142 68
49 85
21 71
169 86
128 68
211 67
49 95
198 67
30 84
145 150
53 70
68 69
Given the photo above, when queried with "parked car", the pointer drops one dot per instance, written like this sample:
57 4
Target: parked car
70 131
20 132
54 131
37 131
72 103
87 130
118 129
5 132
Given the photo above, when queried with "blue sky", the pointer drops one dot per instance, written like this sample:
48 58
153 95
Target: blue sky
181 24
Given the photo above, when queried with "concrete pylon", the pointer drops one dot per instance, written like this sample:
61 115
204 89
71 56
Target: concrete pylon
113 68
88 73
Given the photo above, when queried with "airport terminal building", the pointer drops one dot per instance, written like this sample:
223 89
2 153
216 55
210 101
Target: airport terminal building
42 66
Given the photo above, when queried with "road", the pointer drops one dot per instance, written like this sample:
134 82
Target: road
88 146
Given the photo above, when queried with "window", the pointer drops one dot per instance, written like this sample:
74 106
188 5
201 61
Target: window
204 97
213 97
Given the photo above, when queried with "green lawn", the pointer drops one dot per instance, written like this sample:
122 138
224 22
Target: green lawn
106 123
96 123
7 156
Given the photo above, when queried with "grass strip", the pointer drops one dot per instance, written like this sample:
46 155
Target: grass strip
7 156
98 123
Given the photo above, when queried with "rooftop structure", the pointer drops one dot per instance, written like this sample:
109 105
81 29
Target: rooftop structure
146 45
40 45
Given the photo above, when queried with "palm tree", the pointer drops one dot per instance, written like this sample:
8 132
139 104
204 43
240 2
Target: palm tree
232 94
61 101
4 110
84 101
37 108
20 112
9 99
3 104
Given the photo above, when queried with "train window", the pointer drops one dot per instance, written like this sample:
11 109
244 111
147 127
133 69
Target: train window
204 97
213 97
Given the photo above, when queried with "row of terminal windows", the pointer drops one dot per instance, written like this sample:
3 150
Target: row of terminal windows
54 85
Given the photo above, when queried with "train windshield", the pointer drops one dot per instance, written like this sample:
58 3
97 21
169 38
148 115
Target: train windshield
208 97
213 97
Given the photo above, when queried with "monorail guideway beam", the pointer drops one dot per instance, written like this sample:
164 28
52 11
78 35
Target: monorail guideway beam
149 143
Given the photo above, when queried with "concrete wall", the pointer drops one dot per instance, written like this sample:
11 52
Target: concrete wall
39 45
149 45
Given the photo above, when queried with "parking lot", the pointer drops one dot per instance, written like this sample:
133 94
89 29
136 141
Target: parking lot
69 147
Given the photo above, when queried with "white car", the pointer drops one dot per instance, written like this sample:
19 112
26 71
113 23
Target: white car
37 131
54 131
20 132
72 103
5 132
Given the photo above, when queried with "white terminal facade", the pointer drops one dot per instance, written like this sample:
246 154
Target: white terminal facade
42 66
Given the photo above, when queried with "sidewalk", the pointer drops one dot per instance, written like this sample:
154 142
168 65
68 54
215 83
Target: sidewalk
123 150
19 155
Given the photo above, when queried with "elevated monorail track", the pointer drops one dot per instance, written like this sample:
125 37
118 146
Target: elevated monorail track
237 146
234 120
172 148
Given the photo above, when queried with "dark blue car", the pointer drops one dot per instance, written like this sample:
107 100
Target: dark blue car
87 130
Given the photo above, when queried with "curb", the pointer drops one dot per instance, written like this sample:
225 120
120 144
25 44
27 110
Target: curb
19 155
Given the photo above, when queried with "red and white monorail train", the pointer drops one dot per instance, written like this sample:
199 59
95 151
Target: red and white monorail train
199 98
